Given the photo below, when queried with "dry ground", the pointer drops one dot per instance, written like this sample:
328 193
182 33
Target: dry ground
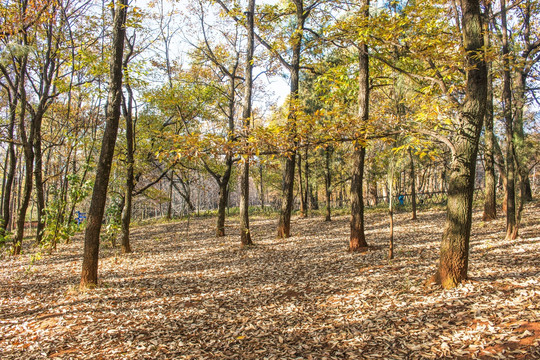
199 297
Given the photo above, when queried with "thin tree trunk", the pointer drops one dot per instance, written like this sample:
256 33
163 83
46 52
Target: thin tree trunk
391 209
38 177
490 201
507 113
28 151
413 186
454 255
170 202
284 225
245 234
306 182
261 195
328 183
130 164
303 212
222 207
11 168
89 275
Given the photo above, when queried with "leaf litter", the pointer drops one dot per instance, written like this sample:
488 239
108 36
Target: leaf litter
190 295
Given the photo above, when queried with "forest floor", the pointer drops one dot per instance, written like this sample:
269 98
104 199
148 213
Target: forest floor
188 295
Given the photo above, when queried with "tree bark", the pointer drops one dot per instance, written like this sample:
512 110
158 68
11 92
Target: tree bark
38 177
391 209
284 225
89 275
490 201
130 164
170 202
358 238
303 207
10 170
454 253
328 183
27 142
222 206
245 234
511 225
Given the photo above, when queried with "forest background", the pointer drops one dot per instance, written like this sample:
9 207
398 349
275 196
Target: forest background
166 109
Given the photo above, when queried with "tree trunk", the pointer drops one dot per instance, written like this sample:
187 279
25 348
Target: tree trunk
303 207
245 234
222 206
38 177
10 175
490 201
170 202
89 275
284 225
130 164
391 209
306 182
413 186
261 194
372 188
327 183
28 151
358 238
511 225
454 254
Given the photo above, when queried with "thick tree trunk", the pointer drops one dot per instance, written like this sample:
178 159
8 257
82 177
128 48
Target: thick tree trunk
89 275
454 256
519 136
245 234
523 66
358 239
490 201
284 226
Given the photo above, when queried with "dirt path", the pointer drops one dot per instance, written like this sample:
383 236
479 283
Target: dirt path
180 297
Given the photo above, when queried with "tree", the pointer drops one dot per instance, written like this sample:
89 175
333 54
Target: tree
89 275
357 239
245 235
454 253
490 201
